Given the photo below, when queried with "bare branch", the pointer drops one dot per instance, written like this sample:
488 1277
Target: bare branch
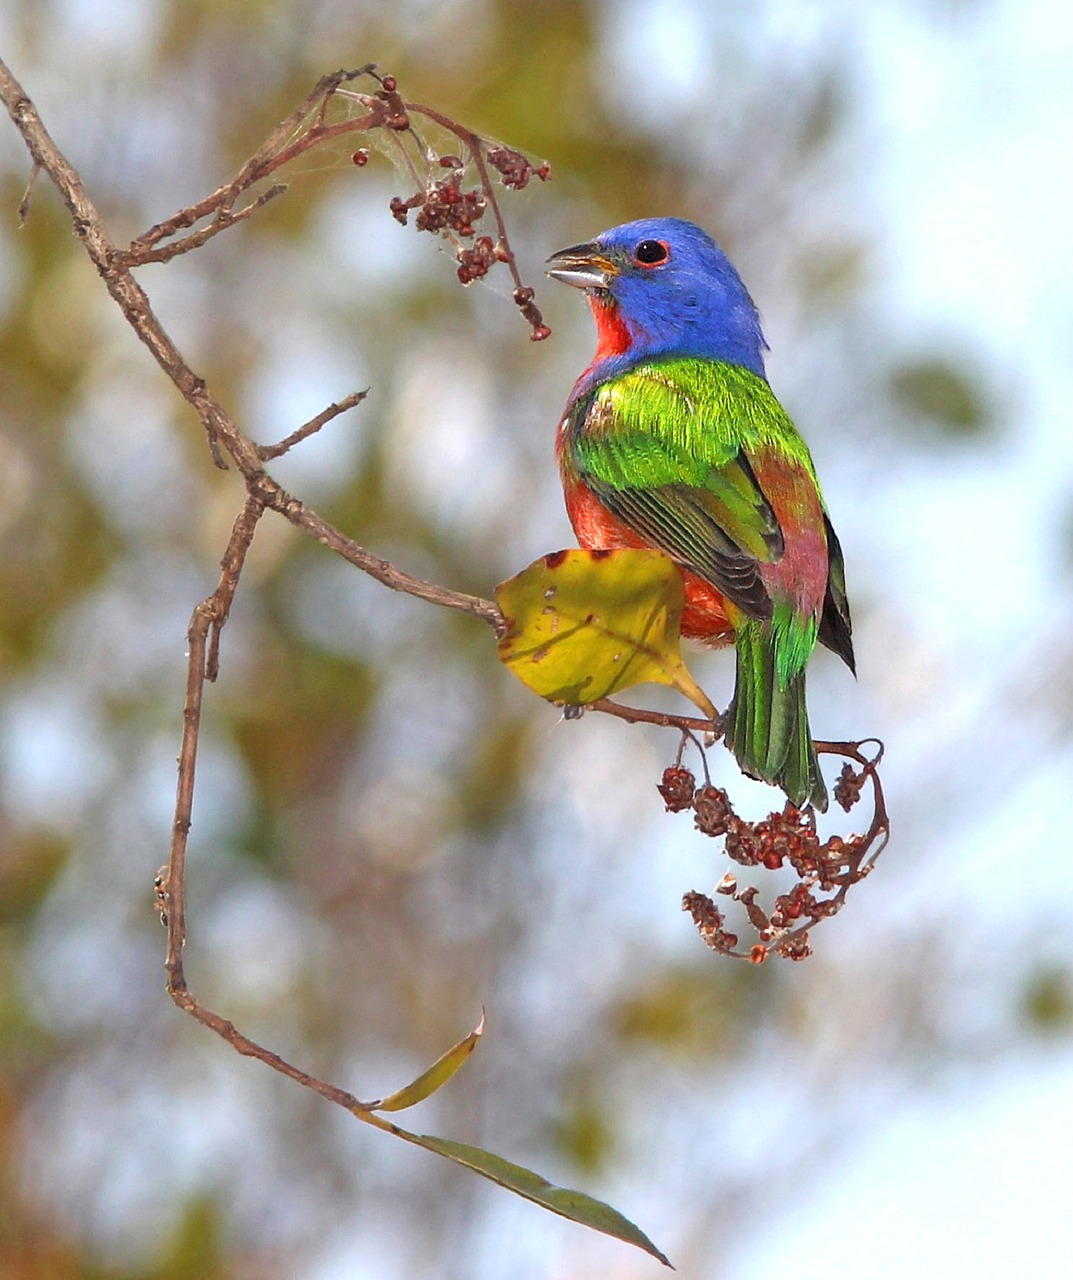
202 664
220 427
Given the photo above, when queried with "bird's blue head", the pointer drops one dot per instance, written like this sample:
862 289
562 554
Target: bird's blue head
661 286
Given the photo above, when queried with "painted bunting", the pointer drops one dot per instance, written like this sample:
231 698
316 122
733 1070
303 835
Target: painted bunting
672 438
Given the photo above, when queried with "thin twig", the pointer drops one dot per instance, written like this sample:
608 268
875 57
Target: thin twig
222 222
231 567
202 664
203 637
712 729
270 451
269 157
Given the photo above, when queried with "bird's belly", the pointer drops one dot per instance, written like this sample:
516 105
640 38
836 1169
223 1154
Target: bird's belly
705 616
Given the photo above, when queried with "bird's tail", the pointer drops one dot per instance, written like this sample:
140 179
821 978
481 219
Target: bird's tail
767 721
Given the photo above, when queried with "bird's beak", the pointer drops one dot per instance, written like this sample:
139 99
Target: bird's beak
583 266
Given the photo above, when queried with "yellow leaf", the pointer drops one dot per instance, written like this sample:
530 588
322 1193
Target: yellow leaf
582 625
438 1074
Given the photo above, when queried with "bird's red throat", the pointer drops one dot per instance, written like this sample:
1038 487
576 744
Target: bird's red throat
613 338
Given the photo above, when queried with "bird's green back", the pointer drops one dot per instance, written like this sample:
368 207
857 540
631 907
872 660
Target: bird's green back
677 418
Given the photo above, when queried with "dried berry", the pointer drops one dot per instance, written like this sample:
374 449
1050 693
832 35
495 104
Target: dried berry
791 906
400 208
747 898
796 948
848 787
709 921
740 844
706 915
512 166
677 788
523 300
474 263
714 812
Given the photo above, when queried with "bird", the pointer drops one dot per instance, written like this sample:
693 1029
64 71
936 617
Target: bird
673 439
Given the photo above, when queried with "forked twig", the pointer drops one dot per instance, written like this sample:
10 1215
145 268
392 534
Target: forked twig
307 128
270 156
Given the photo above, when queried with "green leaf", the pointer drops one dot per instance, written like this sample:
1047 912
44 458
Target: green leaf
438 1074
575 1205
582 625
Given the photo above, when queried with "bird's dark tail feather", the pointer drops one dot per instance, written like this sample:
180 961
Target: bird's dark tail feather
767 723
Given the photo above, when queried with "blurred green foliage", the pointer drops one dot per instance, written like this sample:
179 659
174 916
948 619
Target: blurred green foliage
943 395
1048 999
690 1013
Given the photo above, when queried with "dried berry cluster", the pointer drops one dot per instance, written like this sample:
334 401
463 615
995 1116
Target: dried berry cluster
514 168
442 204
787 839
677 787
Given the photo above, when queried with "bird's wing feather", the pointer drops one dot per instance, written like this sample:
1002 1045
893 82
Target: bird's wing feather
682 521
666 447
836 629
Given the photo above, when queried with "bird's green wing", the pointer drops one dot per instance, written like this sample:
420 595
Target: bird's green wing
666 448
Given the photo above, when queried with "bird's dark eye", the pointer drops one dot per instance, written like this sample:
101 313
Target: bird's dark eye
650 253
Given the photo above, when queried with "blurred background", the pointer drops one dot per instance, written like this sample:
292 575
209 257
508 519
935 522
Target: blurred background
389 830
